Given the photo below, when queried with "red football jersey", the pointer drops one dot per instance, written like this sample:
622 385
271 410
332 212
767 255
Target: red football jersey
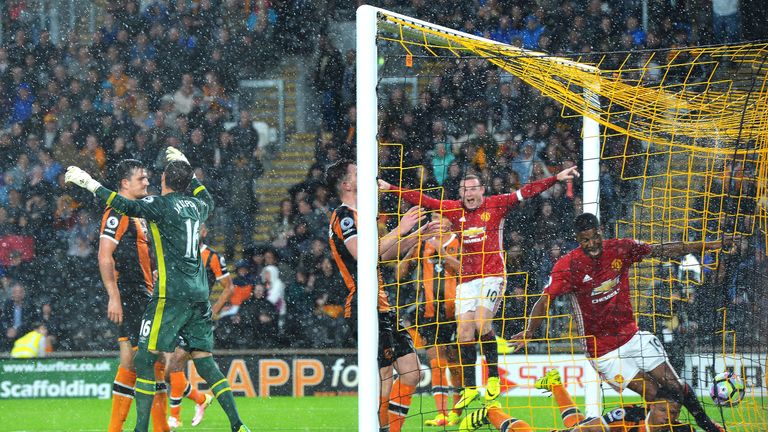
480 229
599 290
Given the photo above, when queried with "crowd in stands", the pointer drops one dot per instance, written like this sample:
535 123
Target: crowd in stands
165 75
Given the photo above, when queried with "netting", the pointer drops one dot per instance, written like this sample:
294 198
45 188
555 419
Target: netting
684 139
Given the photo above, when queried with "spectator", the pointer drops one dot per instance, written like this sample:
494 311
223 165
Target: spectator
245 138
726 21
328 79
16 317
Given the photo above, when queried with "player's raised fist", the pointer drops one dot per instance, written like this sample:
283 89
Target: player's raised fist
173 154
81 178
568 174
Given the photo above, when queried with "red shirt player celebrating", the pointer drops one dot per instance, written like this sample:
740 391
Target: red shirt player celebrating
480 221
596 277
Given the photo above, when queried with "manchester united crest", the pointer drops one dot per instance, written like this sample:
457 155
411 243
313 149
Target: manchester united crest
485 217
616 264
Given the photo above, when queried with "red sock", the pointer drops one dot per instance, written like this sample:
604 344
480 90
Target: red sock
571 415
160 402
439 386
399 403
505 423
122 397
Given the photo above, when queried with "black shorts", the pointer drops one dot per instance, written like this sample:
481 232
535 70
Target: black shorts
437 332
134 304
393 342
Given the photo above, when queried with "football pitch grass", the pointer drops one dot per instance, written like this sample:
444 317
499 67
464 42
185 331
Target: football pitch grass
285 414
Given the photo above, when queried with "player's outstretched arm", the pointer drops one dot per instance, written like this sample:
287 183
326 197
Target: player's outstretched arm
539 313
533 189
679 249
137 208
415 197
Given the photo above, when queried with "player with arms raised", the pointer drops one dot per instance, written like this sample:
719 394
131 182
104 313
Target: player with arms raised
480 220
179 304
595 276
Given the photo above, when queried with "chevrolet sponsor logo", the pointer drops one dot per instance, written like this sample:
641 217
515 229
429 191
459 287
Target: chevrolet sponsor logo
605 286
473 231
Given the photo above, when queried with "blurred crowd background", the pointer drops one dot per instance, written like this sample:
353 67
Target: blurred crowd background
159 73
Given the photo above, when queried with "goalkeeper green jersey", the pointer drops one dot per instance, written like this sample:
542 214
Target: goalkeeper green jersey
174 221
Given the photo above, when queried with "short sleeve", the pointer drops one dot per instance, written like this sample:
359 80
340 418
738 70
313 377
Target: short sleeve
559 280
113 225
219 267
346 225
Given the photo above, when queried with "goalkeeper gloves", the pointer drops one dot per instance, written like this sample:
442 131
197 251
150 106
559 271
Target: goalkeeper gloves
173 154
81 178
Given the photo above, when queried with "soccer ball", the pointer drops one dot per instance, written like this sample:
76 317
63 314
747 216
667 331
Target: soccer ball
727 389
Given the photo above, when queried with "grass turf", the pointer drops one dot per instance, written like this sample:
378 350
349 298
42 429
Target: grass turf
294 414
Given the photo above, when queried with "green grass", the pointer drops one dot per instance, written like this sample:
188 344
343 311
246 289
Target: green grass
292 414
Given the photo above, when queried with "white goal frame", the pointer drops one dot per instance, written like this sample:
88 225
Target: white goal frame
367 204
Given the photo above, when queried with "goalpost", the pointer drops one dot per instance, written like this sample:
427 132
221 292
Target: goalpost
683 133
368 26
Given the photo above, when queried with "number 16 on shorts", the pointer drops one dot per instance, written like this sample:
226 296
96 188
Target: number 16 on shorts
146 327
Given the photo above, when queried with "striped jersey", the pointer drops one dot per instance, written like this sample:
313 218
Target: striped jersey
133 261
343 227
437 279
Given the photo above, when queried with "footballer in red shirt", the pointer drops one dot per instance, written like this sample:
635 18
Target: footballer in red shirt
595 278
480 222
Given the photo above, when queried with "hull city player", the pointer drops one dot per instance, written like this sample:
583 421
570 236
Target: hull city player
179 306
660 416
395 345
437 258
125 265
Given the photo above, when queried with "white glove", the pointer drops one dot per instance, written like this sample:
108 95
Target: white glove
81 178
173 154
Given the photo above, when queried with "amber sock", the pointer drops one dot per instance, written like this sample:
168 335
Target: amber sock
122 398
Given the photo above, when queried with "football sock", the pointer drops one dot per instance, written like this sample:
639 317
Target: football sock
399 404
178 382
384 412
568 411
456 380
145 388
181 388
439 386
122 398
468 354
209 371
490 350
692 404
192 393
506 423
160 401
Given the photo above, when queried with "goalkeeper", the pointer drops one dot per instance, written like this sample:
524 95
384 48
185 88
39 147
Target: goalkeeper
179 304
660 416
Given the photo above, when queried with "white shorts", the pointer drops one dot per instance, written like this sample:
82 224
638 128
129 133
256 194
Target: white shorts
484 292
644 352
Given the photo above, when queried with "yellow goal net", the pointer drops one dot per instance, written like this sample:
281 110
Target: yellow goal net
679 152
